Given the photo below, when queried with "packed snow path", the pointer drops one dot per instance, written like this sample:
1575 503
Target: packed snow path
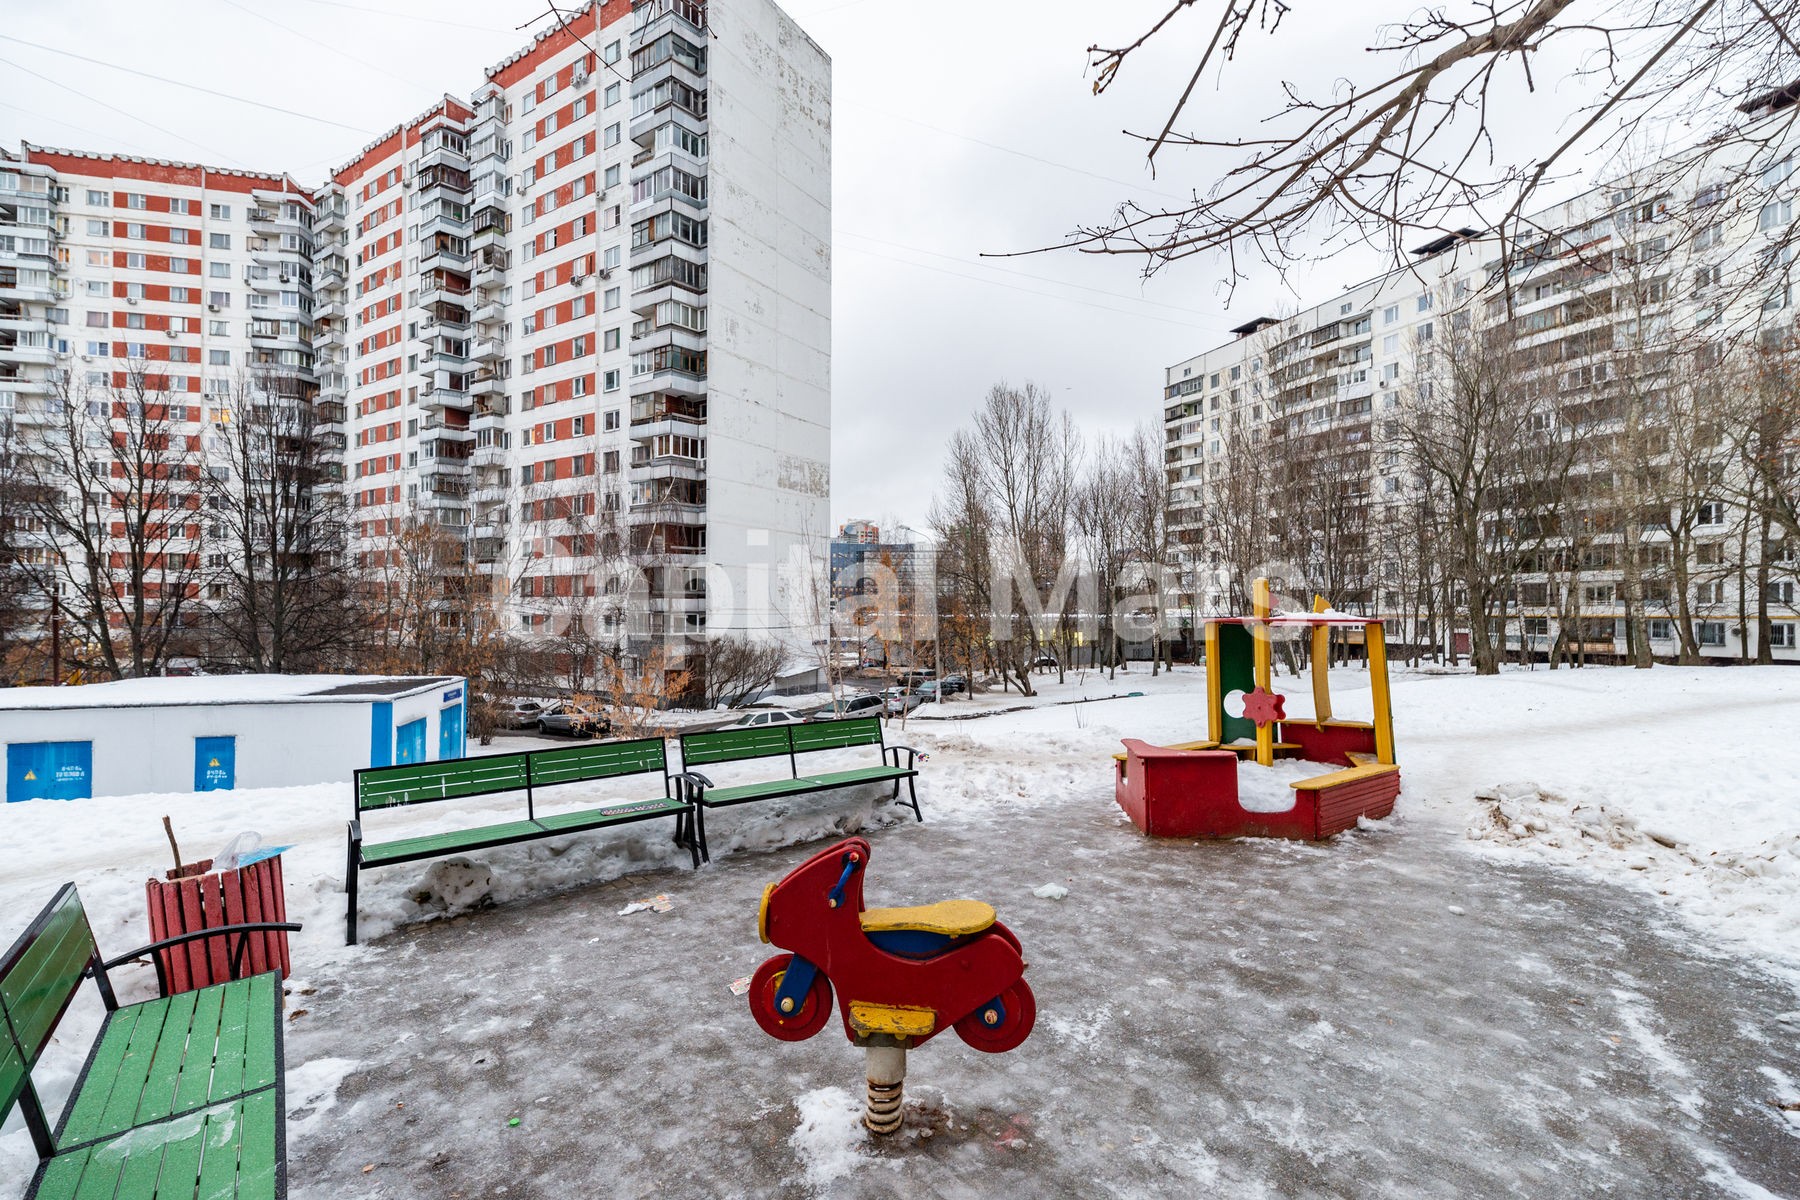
1381 1016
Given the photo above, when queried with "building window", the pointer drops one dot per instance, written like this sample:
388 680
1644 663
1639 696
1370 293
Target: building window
612 95
1781 635
219 358
1424 301
611 339
1712 633
99 228
1711 513
98 199
221 212
611 381
612 299
219 241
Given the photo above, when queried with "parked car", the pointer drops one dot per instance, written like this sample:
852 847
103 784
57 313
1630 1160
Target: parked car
571 721
866 705
953 684
518 714
763 717
1045 662
901 701
915 676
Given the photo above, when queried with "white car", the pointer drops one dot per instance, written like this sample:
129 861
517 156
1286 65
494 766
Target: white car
766 716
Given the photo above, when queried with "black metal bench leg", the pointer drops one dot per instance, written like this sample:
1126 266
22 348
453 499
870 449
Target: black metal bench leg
684 835
700 829
913 792
350 874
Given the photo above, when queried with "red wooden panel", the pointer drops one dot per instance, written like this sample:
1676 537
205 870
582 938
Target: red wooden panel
231 886
1339 807
193 916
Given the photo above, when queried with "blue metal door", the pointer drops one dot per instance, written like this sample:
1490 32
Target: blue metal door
215 764
409 745
49 771
381 734
450 732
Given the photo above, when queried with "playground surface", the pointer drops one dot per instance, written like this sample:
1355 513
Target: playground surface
1381 1016
1583 985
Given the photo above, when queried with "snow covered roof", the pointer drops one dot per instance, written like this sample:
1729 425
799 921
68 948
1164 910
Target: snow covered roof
222 689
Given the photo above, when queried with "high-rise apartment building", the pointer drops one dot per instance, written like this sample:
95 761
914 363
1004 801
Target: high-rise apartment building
142 304
574 331
586 318
1602 323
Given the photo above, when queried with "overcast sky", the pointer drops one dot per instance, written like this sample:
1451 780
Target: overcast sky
960 127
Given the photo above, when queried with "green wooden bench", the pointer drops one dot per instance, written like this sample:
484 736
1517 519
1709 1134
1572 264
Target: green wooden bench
181 1098
460 778
788 742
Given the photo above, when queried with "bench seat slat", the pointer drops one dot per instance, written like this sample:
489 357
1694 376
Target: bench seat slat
177 1055
611 814
225 1150
448 843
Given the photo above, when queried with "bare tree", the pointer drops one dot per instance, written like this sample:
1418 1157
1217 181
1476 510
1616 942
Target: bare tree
734 669
1104 517
20 605
281 592
1012 480
1484 430
114 476
1404 148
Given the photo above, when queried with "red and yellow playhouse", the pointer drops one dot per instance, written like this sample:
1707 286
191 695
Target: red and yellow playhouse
1191 790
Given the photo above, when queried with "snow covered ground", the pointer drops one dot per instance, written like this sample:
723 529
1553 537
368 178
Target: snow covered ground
1677 783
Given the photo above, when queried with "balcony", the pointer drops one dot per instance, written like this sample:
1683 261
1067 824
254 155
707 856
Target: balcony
650 19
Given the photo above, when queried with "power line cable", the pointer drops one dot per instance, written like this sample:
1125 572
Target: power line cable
364 9
1030 291
1037 158
984 264
112 137
337 50
122 112
192 87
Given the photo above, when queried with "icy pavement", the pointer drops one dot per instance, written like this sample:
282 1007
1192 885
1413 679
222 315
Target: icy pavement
1381 1016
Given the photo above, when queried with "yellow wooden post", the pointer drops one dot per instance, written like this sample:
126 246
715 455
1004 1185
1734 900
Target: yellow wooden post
1215 699
1376 637
1260 608
1321 666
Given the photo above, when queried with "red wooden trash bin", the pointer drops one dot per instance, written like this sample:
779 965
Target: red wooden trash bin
235 897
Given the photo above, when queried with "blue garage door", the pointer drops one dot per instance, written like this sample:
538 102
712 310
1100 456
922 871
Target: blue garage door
49 771
450 732
410 744
215 764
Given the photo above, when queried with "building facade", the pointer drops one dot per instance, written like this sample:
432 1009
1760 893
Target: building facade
586 321
571 335
143 305
1629 303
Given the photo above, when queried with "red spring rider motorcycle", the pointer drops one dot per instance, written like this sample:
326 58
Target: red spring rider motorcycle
904 972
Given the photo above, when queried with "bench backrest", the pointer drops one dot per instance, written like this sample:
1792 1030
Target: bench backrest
38 978
835 735
603 760
390 787
730 745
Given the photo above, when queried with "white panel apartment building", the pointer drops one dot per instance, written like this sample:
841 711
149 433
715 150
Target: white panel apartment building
590 309
1344 372
199 277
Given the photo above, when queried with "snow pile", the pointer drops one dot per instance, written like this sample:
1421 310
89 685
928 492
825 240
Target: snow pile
830 1140
312 1092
